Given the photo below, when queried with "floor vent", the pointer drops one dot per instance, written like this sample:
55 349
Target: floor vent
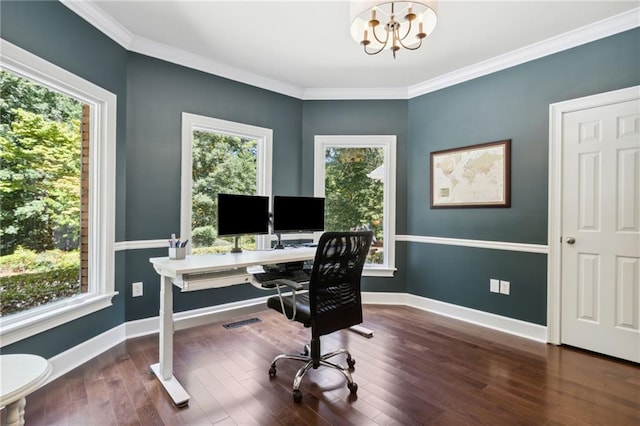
241 323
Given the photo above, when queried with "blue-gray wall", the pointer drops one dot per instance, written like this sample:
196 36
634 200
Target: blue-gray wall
157 94
152 94
511 104
384 117
52 32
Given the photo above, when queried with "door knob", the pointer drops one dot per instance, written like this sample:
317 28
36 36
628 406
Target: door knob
570 240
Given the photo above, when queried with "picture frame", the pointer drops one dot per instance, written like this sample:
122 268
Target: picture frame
472 176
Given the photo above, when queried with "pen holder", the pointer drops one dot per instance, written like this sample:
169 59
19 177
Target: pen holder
177 253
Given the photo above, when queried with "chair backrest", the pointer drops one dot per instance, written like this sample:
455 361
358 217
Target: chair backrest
335 301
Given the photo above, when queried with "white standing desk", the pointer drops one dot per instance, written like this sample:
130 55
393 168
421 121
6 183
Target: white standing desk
198 273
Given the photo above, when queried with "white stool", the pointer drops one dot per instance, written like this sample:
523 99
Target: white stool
20 374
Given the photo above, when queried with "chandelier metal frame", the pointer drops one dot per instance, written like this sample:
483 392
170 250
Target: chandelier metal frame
407 32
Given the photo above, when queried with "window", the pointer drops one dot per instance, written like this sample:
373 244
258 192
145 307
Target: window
220 157
79 183
356 175
44 188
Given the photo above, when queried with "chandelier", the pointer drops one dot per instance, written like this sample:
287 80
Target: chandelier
379 25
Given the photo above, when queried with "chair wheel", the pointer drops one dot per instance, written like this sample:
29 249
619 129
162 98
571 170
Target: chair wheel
272 371
297 395
351 362
353 387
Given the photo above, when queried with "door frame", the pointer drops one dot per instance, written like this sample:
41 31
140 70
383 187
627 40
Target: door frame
554 257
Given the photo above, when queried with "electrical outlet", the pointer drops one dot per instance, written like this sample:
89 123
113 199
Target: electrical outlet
136 289
494 285
505 287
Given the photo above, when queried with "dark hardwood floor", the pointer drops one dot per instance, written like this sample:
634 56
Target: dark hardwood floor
419 368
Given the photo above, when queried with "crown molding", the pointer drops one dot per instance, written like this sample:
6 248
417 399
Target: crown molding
598 30
356 93
94 15
601 29
200 63
91 13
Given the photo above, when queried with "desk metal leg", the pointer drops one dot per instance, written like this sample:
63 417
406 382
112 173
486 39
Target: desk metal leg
164 369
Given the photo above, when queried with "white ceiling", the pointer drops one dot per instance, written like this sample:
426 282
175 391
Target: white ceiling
304 48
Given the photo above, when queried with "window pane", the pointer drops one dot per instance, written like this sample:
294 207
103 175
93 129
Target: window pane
40 188
221 163
354 192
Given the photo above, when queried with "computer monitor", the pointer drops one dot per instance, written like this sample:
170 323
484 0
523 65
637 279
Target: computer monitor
242 215
297 214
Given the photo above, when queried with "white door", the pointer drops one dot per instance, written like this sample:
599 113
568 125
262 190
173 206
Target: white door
600 243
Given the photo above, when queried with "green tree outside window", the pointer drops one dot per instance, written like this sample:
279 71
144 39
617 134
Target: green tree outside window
40 150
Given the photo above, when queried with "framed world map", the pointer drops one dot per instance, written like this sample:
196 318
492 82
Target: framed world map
472 176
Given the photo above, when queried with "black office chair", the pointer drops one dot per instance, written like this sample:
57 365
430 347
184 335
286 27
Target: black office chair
332 303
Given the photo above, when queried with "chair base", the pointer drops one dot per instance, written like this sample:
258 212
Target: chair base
306 358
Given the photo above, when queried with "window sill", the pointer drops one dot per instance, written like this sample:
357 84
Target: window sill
29 323
372 271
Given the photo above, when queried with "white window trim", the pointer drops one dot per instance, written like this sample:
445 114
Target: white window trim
101 258
264 137
388 145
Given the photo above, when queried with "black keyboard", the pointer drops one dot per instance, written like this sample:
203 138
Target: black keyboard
267 279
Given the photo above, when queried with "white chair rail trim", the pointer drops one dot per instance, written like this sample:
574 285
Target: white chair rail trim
462 242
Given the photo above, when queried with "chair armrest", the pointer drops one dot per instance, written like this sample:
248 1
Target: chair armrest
289 283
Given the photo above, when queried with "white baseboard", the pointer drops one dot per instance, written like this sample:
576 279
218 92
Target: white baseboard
78 355
380 298
485 319
197 317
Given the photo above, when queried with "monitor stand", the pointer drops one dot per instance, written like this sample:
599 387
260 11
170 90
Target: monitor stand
236 248
279 245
